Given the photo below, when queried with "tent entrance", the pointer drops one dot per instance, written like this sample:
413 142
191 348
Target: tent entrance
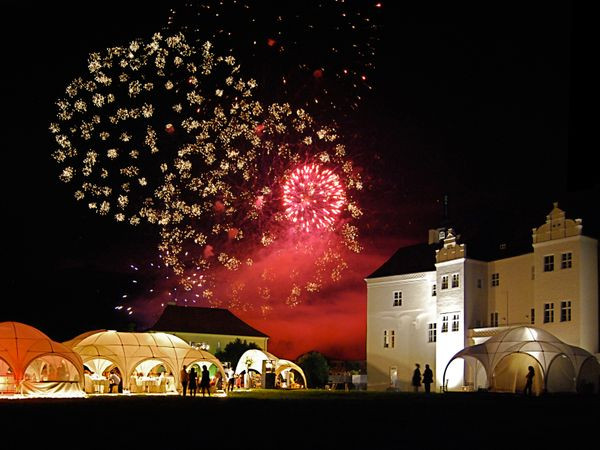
509 374
466 373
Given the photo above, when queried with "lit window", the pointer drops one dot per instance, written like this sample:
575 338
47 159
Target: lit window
444 324
495 279
565 311
455 322
445 282
389 338
397 298
548 312
455 280
532 316
494 319
548 263
432 329
434 290
566 260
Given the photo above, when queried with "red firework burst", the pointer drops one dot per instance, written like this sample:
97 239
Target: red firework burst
313 197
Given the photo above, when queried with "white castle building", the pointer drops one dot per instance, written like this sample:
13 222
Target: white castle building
429 301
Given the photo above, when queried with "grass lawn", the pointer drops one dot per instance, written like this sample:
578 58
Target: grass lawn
311 419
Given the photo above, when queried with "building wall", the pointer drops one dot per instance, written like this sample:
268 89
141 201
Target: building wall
589 313
512 298
476 294
577 284
409 322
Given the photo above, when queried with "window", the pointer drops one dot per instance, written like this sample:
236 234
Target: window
565 311
434 290
432 329
495 279
455 322
532 316
548 263
445 282
566 260
397 298
444 324
389 338
548 312
478 283
494 319
455 280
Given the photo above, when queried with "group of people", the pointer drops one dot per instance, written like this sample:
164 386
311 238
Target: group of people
189 380
426 378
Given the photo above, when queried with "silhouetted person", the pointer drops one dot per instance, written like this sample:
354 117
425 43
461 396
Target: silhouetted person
113 380
529 384
231 381
193 382
416 378
184 380
427 378
205 381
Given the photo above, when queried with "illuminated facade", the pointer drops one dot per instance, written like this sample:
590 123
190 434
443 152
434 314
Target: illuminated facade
429 301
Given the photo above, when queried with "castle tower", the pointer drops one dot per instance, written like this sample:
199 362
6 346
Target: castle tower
450 305
565 282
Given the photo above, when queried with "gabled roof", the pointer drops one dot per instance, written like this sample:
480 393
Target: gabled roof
189 319
413 259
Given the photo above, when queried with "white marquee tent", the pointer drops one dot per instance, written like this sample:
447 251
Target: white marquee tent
32 363
253 360
135 353
501 363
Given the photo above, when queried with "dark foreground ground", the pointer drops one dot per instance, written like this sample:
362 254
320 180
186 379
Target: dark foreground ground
310 420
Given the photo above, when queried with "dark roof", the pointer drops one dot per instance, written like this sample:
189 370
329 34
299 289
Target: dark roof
189 319
499 249
421 257
412 259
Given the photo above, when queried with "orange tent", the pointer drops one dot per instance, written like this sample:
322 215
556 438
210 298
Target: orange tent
32 363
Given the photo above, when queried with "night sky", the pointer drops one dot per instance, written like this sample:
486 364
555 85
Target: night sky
482 105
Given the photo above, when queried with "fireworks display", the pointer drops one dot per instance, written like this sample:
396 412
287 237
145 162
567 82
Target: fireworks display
122 130
168 132
313 197
318 55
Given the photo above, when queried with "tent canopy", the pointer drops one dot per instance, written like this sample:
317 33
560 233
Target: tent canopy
546 349
252 359
34 358
128 351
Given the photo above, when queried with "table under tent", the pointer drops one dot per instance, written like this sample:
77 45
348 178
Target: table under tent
33 364
144 362
256 366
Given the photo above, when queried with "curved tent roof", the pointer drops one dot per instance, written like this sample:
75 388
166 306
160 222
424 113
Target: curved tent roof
256 357
21 344
543 346
128 350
